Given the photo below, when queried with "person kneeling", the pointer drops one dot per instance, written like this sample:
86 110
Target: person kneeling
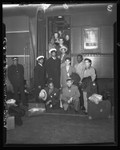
50 96
70 96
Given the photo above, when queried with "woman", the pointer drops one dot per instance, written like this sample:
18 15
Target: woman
66 71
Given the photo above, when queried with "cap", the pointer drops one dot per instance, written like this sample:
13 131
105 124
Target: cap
52 49
69 79
14 58
39 57
63 47
43 94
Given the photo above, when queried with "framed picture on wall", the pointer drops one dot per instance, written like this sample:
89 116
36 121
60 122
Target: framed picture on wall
91 38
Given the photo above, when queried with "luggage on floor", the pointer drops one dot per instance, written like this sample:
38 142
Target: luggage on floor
100 110
36 109
10 122
18 113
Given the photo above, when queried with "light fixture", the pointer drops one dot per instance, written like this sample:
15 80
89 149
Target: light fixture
59 16
65 6
9 5
109 7
45 6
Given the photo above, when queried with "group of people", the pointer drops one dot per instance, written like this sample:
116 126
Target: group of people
61 44
59 89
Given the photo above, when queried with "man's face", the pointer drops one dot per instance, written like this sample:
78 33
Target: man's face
53 54
67 37
51 86
69 83
63 51
15 62
67 62
61 41
56 35
79 59
40 61
87 64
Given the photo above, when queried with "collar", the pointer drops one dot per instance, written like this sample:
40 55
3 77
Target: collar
54 58
40 64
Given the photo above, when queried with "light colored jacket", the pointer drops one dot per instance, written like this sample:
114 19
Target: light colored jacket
65 75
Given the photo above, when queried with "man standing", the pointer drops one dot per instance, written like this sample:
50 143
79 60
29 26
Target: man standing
80 67
39 76
53 68
16 77
88 81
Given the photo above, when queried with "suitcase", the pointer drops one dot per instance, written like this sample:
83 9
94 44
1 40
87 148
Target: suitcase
101 110
10 122
35 109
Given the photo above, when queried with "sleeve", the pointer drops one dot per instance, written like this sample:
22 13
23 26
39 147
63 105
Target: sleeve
36 76
10 74
93 74
64 96
77 93
48 68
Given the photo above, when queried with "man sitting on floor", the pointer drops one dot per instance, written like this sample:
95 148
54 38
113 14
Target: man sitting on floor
70 96
50 95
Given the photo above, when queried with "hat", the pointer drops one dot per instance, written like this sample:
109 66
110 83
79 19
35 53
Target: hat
63 47
52 49
14 58
43 94
69 79
39 57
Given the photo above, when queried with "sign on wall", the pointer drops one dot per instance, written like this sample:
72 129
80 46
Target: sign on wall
91 38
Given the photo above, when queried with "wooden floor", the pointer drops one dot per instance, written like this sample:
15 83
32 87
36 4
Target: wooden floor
56 128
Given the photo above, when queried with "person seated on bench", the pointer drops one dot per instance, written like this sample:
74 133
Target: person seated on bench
50 95
70 96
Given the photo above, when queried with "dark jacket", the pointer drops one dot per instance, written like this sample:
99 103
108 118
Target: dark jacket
89 86
39 76
16 74
53 96
53 71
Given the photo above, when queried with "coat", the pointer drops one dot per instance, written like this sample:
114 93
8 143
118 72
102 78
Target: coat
64 75
16 75
39 76
53 71
66 94
53 96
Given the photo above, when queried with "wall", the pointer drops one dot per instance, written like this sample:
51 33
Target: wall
104 61
91 16
18 41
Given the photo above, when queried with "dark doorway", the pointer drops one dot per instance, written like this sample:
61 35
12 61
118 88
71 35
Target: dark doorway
59 25
41 34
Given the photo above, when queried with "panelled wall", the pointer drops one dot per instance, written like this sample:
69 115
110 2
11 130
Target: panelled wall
103 59
18 41
80 17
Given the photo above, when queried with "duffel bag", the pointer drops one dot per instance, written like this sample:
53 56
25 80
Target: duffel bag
36 109
100 110
16 110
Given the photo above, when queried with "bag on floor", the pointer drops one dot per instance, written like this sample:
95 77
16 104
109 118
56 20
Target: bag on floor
36 109
16 110
99 110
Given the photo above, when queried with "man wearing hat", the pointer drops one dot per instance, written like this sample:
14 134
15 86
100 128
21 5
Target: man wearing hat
16 77
53 68
70 96
63 51
39 76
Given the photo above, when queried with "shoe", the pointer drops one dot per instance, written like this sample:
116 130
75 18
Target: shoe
76 112
85 113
